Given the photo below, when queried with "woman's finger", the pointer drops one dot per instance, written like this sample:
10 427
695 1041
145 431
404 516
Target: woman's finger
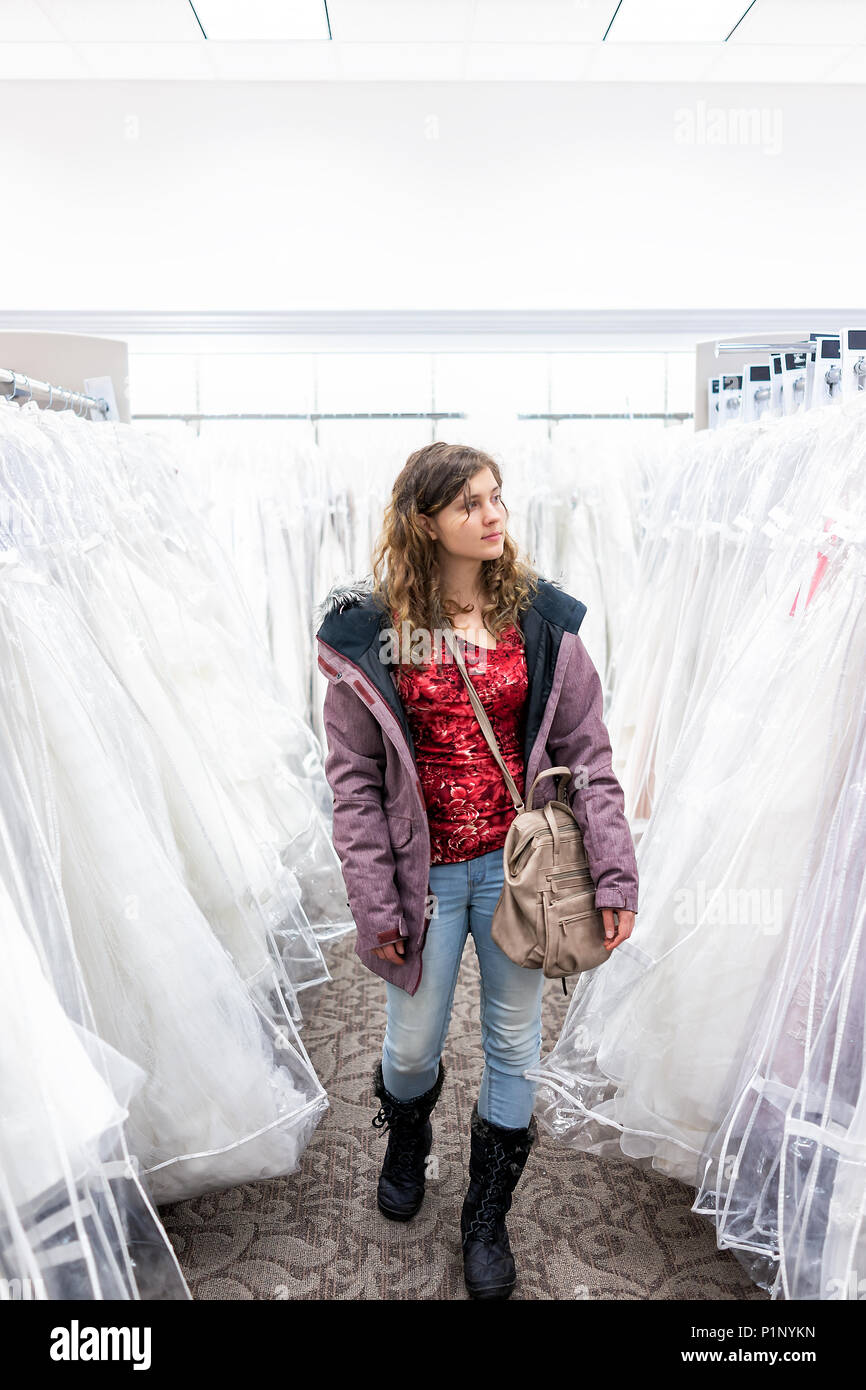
623 929
392 953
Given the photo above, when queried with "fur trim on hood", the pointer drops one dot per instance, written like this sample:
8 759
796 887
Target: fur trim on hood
342 596
348 595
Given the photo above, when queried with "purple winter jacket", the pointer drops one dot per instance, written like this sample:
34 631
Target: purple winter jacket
381 833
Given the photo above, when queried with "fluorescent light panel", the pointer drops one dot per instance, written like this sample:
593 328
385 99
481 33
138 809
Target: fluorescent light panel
400 21
547 21
454 21
675 21
263 21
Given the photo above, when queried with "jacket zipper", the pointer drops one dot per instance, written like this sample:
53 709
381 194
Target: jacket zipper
362 685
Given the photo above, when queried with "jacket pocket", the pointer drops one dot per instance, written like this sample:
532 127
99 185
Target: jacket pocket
399 830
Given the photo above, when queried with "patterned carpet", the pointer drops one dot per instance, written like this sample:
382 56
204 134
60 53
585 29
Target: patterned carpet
580 1227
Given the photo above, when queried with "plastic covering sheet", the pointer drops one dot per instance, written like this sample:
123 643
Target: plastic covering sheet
165 855
785 1173
723 1043
241 771
75 1220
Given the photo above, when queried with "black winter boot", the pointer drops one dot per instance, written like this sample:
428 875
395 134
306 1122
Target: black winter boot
496 1160
410 1136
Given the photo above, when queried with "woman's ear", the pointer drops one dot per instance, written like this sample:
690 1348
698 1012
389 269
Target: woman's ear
426 526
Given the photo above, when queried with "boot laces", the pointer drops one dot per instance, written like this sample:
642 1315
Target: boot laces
489 1215
400 1121
406 1136
407 1156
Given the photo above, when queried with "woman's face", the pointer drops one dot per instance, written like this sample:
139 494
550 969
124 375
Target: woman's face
478 534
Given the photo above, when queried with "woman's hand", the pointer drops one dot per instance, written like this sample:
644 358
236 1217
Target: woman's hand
615 935
393 953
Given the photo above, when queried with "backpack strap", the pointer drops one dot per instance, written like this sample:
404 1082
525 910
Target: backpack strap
563 775
486 727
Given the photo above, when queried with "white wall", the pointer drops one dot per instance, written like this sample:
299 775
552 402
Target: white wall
210 195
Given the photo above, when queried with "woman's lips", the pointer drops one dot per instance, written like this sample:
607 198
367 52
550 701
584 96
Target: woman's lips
494 536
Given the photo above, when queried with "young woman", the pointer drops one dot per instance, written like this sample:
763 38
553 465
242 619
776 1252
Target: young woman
421 811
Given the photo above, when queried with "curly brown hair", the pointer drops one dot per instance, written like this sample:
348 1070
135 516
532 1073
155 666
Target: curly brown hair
405 572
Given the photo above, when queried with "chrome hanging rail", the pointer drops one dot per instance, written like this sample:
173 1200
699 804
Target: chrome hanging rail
612 415
15 384
805 345
314 415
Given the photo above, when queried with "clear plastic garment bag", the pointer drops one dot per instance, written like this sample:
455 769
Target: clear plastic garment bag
76 1221
163 791
723 1043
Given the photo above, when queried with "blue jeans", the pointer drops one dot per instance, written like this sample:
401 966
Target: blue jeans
417 1025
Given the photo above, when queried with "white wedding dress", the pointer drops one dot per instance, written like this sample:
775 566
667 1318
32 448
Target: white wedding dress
228 1097
784 1174
242 769
741 772
75 1220
209 1083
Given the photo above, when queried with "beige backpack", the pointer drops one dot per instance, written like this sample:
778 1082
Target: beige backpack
546 918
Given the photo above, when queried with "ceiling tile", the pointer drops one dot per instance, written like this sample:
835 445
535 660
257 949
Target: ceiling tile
804 22
155 62
404 62
40 62
766 63
449 40
652 62
533 62
132 21
851 67
25 22
274 62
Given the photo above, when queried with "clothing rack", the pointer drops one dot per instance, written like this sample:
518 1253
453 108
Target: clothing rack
418 415
196 417
807 345
315 415
13 384
612 415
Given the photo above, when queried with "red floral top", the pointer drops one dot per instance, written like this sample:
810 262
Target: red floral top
469 808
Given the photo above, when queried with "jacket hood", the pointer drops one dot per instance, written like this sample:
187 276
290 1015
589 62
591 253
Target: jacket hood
551 601
343 596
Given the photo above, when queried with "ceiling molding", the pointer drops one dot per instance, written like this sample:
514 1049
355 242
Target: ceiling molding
516 60
431 323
